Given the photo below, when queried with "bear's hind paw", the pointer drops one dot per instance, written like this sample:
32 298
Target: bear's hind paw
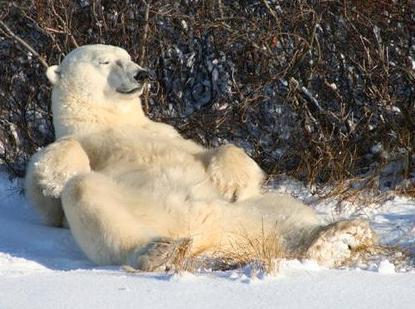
163 254
334 244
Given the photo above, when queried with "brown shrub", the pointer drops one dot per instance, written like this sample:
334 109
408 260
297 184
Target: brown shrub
322 90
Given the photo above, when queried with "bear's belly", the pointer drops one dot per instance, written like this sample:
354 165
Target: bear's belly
159 166
123 158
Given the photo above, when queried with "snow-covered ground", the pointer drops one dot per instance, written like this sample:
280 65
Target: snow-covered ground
42 267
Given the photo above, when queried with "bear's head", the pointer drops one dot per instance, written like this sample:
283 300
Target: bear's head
94 81
100 72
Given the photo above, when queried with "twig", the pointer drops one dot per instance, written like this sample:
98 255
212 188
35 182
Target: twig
220 7
145 33
45 30
312 99
143 50
65 27
24 44
271 11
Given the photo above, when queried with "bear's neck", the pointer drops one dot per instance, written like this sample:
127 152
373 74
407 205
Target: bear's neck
75 117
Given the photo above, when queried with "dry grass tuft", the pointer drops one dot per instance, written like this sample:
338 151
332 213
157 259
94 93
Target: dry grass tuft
261 253
181 259
367 254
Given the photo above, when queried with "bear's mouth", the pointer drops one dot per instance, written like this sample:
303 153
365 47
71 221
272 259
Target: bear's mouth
129 90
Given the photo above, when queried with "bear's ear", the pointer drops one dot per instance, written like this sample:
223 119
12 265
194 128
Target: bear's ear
53 74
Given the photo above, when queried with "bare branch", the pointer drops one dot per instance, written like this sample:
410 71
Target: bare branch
26 45
271 11
145 33
143 50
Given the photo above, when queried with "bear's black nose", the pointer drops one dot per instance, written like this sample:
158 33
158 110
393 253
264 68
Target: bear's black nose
142 75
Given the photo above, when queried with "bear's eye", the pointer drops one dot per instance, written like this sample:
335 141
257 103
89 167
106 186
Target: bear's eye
104 62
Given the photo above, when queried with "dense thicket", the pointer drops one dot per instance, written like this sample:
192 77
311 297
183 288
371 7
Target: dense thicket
322 90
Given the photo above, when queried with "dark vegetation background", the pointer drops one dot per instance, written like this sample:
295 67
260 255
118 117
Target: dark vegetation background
320 90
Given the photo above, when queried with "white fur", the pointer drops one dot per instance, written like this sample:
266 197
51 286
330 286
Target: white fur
125 181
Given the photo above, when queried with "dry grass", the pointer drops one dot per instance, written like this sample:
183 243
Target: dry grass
181 259
261 253
365 255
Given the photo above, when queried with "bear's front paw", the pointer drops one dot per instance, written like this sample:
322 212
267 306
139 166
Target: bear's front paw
334 244
57 163
234 173
163 254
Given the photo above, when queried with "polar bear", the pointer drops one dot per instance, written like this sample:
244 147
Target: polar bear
131 188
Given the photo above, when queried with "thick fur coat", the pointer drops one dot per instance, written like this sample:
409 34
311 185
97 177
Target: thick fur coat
130 187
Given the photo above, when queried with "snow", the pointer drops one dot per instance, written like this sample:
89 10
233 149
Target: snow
42 267
386 267
296 289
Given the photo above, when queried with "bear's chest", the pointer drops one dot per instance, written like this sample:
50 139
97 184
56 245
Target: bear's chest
124 151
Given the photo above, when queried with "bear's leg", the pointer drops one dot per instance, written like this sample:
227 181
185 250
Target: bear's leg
97 210
294 221
303 232
48 171
234 173
49 208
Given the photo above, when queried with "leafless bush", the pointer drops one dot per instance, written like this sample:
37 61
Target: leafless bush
321 90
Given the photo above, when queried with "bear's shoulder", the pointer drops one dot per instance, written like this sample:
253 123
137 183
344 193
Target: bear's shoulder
161 129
